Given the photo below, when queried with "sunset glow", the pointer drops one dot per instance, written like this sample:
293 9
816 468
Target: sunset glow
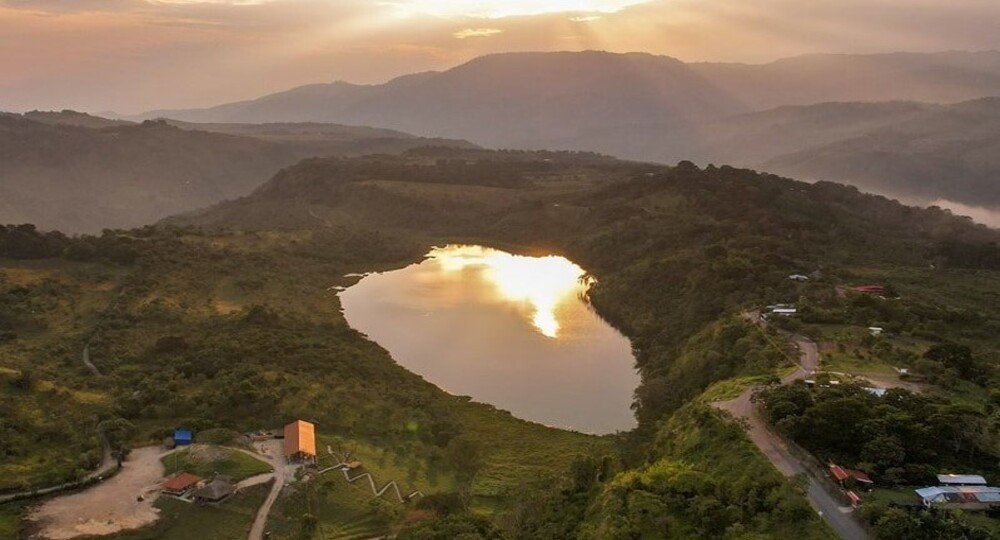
540 283
496 9
132 56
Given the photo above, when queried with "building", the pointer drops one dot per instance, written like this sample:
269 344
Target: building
875 391
842 475
785 310
875 331
300 441
869 289
961 480
180 484
798 277
216 490
183 437
964 497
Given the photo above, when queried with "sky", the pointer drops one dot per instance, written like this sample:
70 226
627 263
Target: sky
135 55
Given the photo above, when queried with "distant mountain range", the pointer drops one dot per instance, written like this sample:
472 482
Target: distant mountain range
80 173
850 118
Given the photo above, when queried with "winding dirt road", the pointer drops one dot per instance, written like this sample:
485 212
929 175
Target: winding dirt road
270 450
840 518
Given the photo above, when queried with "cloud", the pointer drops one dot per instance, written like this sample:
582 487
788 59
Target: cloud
477 32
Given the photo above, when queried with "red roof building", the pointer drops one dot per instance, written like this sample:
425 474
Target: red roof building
840 474
869 289
859 476
180 484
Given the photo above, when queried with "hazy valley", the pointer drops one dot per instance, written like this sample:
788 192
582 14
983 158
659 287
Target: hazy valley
80 173
882 126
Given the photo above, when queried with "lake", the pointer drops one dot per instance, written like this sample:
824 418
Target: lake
510 330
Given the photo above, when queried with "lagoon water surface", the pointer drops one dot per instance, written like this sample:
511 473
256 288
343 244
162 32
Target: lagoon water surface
510 330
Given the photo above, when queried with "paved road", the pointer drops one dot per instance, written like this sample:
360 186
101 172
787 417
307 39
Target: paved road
840 518
271 450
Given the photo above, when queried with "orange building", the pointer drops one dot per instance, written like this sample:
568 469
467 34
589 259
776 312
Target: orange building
300 441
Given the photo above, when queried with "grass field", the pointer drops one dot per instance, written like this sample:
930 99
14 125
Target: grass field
341 509
350 510
230 520
732 388
209 460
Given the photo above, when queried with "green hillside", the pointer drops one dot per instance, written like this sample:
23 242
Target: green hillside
225 318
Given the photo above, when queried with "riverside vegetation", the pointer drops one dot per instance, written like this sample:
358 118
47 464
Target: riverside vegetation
218 319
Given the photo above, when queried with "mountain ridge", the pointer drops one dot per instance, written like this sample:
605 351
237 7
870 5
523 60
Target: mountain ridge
81 173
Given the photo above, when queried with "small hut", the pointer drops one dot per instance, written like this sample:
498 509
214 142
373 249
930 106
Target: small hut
216 490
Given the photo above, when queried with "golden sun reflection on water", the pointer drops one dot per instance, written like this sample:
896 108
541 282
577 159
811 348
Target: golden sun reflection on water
542 283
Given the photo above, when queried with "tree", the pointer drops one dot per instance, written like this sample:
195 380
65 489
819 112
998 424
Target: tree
958 357
465 456
118 431
884 451
308 525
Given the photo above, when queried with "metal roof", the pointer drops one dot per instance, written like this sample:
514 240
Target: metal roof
300 437
877 392
962 479
960 494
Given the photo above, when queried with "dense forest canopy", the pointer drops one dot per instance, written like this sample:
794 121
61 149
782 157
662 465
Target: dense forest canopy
188 321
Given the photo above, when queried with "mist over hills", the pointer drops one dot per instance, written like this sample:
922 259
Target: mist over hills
81 173
951 152
776 116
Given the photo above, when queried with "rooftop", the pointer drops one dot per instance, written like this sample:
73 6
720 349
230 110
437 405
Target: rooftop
962 479
960 494
216 489
181 482
300 437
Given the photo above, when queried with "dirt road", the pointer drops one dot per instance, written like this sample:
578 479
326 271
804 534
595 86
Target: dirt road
840 518
270 450
108 507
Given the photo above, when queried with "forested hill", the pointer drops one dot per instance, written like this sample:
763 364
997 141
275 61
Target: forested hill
79 173
679 253
682 244
499 193
203 304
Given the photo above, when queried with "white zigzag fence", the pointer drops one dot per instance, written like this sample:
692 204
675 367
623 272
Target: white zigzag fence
371 481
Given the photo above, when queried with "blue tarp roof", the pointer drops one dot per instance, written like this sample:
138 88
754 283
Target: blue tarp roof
182 435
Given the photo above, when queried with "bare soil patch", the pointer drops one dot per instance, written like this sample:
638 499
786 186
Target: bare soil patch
109 507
